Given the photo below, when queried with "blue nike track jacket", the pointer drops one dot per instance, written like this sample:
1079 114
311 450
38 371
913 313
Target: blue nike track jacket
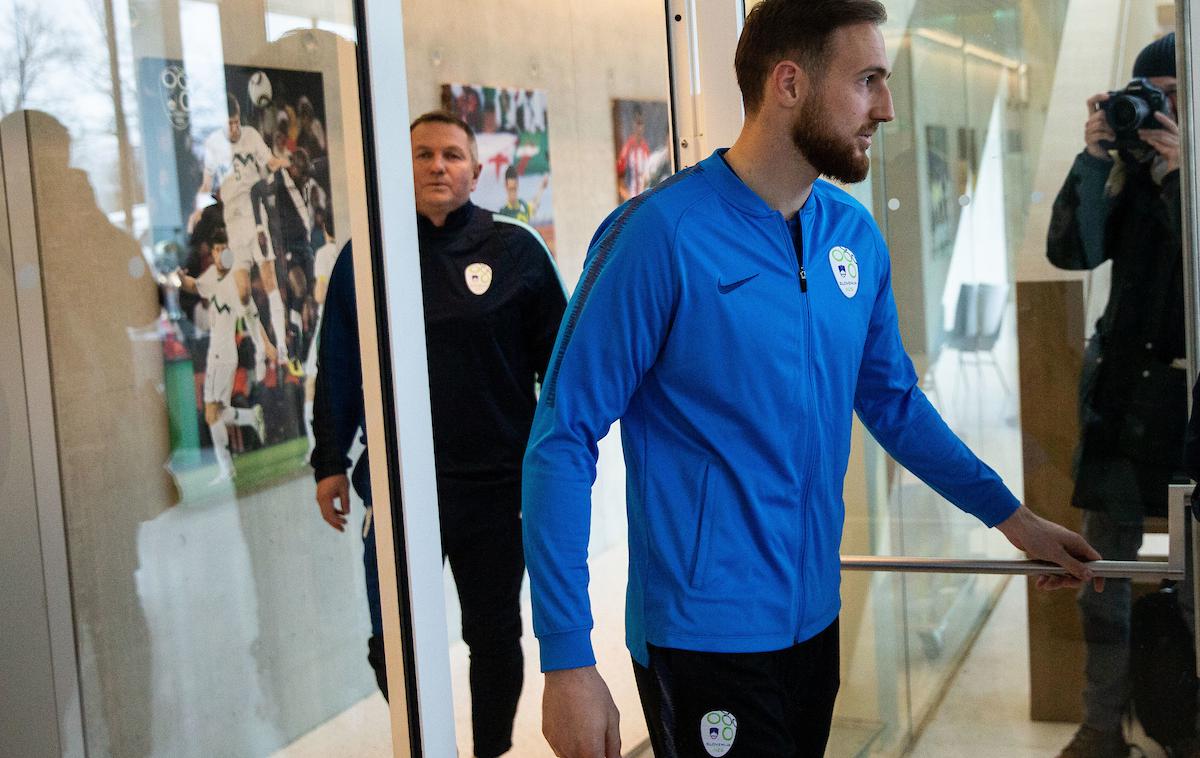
734 355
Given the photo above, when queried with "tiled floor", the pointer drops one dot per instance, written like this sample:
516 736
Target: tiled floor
985 711
362 731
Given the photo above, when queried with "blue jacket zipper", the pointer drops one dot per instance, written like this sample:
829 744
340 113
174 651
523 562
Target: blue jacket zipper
797 240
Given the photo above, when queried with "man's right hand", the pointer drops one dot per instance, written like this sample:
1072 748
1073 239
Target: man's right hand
1097 127
330 491
579 717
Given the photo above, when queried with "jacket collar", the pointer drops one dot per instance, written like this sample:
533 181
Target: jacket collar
463 230
732 189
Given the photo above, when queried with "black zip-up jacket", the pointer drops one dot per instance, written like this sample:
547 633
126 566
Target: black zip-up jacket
1133 403
493 300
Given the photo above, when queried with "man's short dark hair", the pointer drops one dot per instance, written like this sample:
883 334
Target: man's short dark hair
446 117
510 173
232 106
796 30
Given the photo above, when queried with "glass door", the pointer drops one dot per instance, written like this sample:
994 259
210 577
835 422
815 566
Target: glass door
990 102
570 105
180 177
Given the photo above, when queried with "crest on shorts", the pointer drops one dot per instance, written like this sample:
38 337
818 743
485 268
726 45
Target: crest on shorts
479 277
717 732
845 270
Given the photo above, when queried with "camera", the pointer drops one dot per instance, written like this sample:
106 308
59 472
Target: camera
1131 109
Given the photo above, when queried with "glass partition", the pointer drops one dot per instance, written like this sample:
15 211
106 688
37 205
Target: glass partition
990 106
194 168
573 98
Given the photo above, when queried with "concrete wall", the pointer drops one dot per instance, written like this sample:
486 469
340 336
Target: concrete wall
582 54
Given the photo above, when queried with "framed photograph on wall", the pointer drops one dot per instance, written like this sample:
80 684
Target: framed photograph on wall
241 223
642 145
943 206
514 148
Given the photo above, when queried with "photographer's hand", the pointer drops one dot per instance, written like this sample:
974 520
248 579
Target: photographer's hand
1097 128
1164 140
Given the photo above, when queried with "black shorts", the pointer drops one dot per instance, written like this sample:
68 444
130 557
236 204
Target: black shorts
741 705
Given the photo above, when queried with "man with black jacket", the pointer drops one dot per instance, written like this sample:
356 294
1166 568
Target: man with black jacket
1123 205
493 301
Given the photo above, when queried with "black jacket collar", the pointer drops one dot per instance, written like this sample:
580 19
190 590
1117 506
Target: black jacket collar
463 231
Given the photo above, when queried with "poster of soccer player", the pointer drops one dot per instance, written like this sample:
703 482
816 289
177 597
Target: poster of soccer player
514 148
238 196
642 142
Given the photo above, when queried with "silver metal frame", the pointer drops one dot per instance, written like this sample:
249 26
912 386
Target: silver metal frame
43 437
422 720
701 38
1187 24
1172 568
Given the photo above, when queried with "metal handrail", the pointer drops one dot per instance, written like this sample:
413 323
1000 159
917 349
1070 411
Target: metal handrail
1107 569
1172 568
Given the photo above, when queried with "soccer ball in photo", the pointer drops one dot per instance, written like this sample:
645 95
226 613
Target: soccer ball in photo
259 89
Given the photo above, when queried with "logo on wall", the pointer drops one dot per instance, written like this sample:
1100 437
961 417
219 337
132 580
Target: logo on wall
845 270
173 88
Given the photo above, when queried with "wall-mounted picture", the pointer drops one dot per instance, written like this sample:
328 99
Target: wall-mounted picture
514 148
642 143
943 206
238 195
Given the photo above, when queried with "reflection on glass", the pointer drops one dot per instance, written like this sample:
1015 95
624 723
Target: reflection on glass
189 172
1119 207
990 102
959 192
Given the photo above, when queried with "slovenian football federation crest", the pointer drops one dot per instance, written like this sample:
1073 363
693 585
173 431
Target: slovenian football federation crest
479 277
717 732
845 270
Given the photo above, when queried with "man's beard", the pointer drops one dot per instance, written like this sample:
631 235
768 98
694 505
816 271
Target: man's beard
826 151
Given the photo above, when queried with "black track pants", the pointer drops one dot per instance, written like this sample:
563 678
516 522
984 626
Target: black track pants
741 705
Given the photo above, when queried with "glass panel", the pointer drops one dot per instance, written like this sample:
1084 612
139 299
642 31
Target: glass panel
573 96
989 98
216 613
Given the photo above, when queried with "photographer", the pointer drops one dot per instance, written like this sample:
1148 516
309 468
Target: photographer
1121 202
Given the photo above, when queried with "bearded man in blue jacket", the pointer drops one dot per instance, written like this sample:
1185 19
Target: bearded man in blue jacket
734 318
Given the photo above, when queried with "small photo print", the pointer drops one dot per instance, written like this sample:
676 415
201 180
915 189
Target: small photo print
642 145
514 148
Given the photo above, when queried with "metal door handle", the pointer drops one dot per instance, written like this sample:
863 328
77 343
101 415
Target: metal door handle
1108 569
1172 568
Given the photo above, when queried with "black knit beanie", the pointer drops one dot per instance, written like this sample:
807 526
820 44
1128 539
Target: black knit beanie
1157 58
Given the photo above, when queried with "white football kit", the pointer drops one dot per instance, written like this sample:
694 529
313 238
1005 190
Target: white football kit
224 310
236 167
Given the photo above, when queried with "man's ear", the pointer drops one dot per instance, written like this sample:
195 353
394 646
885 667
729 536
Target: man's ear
788 84
475 175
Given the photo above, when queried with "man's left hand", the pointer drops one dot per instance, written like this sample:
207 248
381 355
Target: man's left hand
1164 140
1047 541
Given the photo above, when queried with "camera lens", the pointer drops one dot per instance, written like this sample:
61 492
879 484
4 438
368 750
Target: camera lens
1127 113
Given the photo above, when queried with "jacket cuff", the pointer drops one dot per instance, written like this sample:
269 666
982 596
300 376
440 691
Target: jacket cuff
998 510
323 469
1090 169
567 650
1087 159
